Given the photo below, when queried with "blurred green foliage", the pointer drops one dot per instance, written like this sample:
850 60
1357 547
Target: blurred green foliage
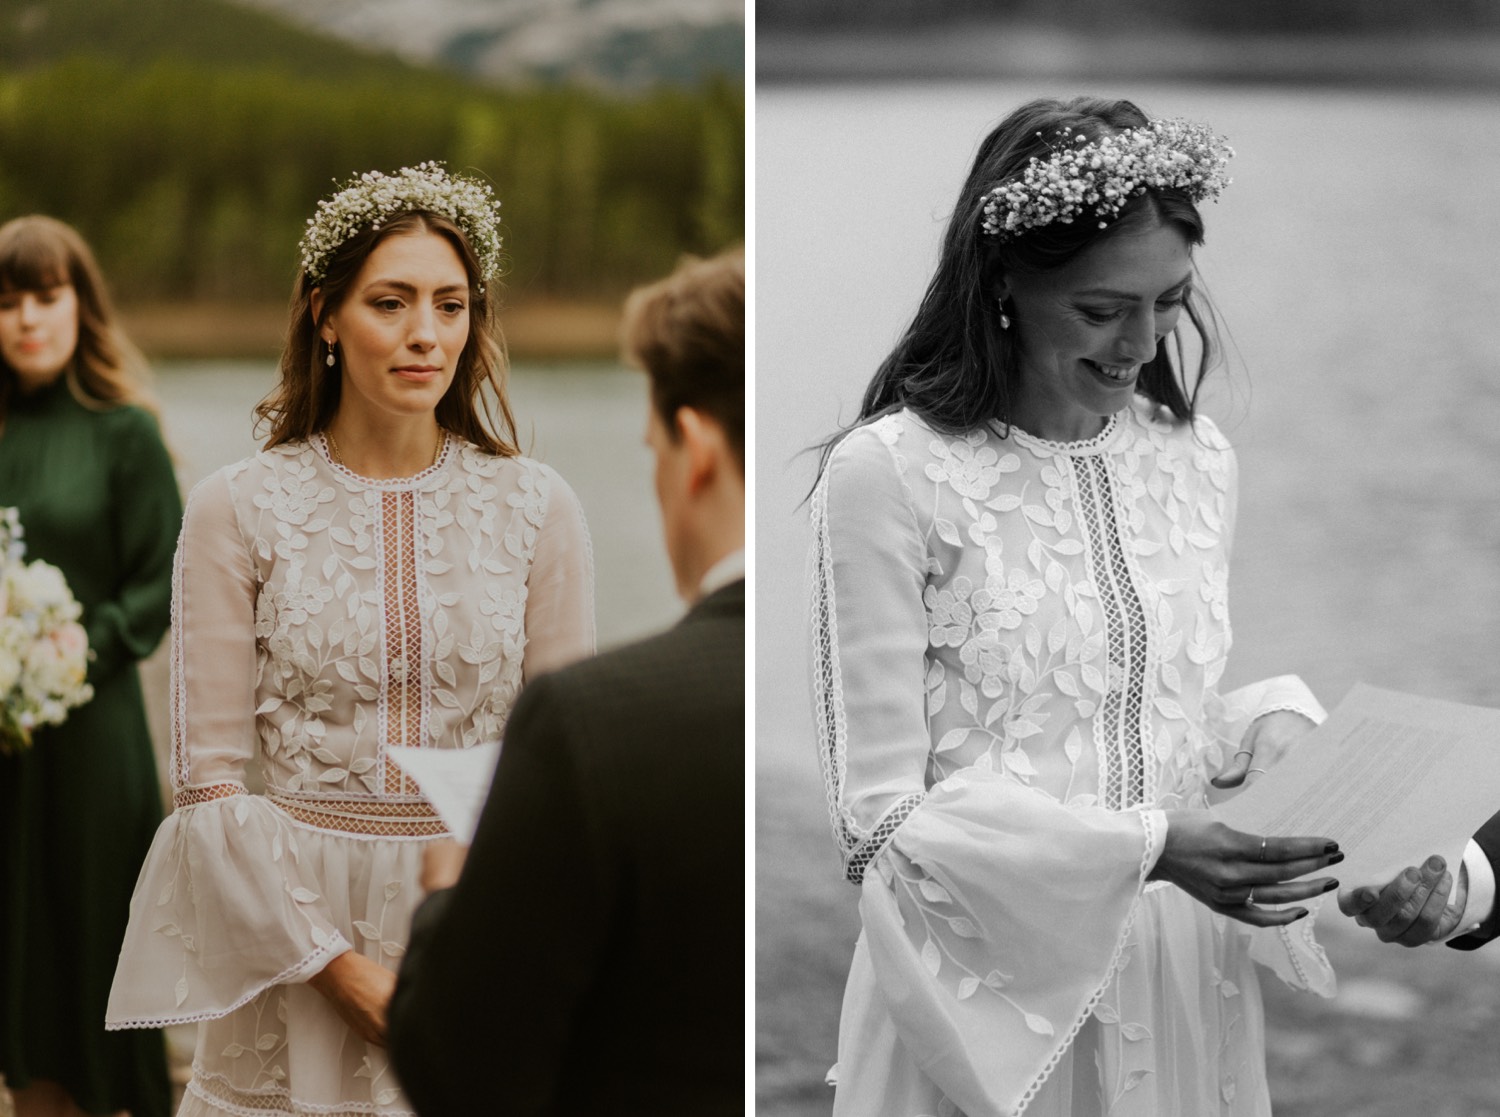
193 179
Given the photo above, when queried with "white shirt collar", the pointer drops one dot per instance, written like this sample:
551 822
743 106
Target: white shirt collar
730 568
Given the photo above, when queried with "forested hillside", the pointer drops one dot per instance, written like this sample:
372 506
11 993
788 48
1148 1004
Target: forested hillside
190 139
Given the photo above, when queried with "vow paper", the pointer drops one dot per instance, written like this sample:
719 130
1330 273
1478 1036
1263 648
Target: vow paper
455 781
1393 778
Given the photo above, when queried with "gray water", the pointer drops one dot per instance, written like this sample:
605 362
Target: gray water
1354 261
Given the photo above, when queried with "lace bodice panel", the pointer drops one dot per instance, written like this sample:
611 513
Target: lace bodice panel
1054 612
332 616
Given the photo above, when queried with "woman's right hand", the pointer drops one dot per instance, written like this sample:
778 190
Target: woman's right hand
1232 872
360 991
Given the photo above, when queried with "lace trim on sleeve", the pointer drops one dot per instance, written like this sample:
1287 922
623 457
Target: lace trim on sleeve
1149 832
176 674
859 858
337 945
857 849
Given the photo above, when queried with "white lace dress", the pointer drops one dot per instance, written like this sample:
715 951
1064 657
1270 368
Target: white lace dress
1017 649
320 618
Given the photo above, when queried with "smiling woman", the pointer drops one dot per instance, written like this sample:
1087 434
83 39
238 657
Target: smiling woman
387 571
1086 329
1019 630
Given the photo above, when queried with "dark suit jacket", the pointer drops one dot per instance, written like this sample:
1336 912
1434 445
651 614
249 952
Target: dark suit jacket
591 959
1488 840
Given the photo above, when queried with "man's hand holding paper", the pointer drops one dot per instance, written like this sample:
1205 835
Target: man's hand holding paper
1390 777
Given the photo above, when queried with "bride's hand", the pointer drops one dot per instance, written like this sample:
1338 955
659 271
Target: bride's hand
1232 872
360 992
1265 742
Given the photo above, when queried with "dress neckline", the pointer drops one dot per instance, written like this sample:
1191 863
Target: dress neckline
1049 447
319 442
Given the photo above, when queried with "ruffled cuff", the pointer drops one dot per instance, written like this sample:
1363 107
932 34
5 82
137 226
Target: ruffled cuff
1284 692
222 911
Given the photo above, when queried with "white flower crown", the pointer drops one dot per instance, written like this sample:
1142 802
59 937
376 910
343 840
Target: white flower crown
370 199
1105 174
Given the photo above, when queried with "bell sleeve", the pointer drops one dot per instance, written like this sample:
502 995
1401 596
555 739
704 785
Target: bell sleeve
146 516
560 584
226 904
994 916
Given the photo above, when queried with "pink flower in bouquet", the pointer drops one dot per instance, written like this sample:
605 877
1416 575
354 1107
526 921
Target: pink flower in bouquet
72 642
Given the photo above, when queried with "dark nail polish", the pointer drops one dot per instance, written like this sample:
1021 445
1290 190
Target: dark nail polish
1336 858
1330 886
1331 847
1301 913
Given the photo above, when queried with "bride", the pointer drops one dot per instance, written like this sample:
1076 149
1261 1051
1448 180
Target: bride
1020 563
386 571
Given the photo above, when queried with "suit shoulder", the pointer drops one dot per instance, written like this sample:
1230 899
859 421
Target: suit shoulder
691 673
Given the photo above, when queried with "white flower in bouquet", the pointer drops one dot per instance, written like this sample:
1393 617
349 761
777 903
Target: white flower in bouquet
44 651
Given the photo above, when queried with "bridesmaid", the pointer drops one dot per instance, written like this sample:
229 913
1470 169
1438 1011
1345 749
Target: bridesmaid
82 459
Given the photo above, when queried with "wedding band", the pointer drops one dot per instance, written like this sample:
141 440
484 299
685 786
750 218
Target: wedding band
1262 771
1262 852
1244 752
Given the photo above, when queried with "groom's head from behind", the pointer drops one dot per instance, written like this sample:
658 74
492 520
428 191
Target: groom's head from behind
687 332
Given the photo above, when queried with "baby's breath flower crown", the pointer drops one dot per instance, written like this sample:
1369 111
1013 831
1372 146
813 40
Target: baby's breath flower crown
373 197
1102 175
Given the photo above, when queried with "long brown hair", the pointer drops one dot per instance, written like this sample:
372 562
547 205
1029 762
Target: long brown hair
106 370
305 400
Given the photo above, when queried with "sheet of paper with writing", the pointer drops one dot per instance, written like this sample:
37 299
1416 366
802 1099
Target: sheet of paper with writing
455 781
1391 777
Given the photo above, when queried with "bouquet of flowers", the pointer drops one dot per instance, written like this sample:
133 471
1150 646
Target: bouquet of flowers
44 651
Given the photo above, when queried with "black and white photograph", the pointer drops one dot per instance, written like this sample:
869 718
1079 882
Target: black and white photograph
1058 308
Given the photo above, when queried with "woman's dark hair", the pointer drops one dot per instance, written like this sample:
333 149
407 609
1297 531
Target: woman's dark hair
106 370
305 400
955 366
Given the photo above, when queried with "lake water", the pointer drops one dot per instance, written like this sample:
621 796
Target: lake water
1354 261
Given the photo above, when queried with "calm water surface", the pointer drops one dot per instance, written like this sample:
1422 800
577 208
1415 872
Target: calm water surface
1353 259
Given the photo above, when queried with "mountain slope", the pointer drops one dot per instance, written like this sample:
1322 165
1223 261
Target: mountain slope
616 43
204 32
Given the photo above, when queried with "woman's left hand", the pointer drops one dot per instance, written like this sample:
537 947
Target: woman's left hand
1265 742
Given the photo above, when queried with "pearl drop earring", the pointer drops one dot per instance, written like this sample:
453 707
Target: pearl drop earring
330 361
1004 318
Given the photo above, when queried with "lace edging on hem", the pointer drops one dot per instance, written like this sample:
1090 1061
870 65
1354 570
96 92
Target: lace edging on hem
335 947
216 1090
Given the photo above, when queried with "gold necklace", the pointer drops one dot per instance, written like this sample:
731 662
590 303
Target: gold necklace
338 458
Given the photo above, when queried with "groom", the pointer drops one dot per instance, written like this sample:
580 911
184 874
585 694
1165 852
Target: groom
590 958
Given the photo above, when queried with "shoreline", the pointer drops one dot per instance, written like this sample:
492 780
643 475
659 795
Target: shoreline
987 51
535 330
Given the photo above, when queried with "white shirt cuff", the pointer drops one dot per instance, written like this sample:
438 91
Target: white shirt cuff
1481 900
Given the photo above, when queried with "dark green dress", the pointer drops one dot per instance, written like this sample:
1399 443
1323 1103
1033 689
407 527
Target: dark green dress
98 499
